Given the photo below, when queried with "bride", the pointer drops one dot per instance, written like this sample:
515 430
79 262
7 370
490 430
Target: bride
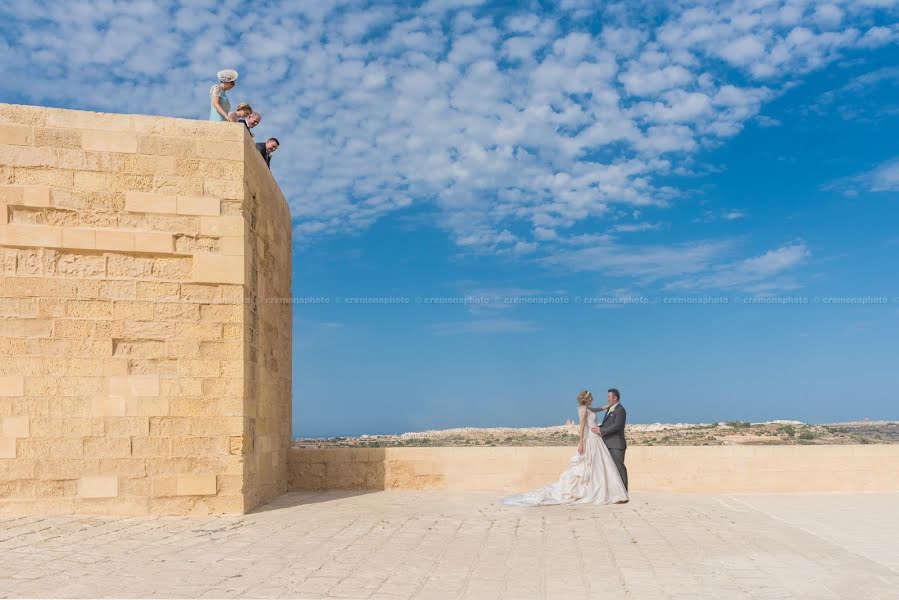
591 476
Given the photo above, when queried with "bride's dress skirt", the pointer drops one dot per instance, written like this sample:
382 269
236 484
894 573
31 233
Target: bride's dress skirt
591 478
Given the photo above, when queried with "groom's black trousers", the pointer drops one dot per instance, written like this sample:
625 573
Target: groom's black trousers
618 457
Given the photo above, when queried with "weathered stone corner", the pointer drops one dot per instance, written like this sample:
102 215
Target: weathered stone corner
146 345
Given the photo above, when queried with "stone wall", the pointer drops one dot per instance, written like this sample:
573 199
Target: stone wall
146 367
694 469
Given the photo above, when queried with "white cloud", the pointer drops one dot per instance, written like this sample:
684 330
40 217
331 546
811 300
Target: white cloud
885 178
882 178
511 127
743 50
760 274
484 326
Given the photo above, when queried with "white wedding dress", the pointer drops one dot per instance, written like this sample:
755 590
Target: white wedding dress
591 477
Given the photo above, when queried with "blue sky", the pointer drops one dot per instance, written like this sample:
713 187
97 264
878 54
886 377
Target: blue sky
694 202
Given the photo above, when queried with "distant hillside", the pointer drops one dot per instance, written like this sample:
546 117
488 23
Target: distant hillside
658 434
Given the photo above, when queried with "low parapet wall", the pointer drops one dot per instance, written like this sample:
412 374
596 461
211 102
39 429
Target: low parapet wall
688 469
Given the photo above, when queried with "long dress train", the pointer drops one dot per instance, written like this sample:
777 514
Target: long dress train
591 477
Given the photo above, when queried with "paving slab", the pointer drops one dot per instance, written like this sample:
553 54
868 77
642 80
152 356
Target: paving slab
394 545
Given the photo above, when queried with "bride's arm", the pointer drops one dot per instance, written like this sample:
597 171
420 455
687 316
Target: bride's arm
599 408
583 429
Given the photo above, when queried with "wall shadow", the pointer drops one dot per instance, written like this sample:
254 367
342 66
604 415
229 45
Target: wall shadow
303 498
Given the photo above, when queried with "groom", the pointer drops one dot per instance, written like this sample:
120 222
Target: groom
612 431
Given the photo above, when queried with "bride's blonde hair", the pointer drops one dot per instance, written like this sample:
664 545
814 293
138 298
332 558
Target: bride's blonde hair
584 398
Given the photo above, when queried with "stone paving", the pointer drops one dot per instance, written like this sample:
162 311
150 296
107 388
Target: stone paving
393 545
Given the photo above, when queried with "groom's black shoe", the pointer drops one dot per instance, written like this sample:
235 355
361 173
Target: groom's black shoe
622 502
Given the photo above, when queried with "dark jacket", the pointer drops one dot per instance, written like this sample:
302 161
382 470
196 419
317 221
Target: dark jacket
247 125
268 157
612 428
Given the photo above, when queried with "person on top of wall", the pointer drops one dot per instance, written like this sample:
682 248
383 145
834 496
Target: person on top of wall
242 111
217 96
252 120
267 148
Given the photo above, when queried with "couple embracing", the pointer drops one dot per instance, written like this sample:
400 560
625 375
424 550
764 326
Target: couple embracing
596 473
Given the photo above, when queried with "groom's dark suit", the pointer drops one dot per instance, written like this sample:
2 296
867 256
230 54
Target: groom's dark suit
612 429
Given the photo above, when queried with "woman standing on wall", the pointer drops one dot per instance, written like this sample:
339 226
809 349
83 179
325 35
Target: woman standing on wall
218 98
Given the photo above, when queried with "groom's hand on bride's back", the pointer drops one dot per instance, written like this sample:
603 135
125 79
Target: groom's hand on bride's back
596 430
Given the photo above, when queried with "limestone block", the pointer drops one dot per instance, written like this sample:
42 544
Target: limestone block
57 138
191 128
158 291
17 135
90 181
149 329
172 184
169 426
171 267
109 141
20 307
233 294
210 268
197 292
168 146
36 195
171 311
27 328
151 446
107 447
134 487
27 156
138 311
226 170
144 202
220 150
19 114
121 426
196 485
108 239
118 290
131 267
198 331
12 385
89 309
222 188
233 245
223 226
79 238
153 241
105 486
152 407
201 446
30 448
15 426
199 205
136 385
7 447
31 236
139 348
215 425
56 178
78 119
117 506
222 313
